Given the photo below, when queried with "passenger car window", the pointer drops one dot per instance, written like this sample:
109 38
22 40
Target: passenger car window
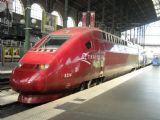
88 45
107 37
104 36
126 43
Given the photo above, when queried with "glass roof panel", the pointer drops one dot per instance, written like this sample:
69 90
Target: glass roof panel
156 4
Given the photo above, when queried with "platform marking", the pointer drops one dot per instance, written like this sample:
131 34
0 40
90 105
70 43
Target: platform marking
49 110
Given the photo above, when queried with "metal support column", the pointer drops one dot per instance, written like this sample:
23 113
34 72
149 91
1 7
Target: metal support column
125 35
103 12
113 16
141 36
88 13
134 36
2 53
138 29
65 13
28 28
137 36
130 34
89 5
144 35
103 15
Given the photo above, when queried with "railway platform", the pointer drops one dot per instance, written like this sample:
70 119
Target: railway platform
134 96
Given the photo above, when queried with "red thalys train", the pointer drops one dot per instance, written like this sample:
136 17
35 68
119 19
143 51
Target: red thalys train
71 58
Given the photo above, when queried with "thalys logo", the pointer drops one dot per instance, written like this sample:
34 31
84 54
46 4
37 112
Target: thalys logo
97 59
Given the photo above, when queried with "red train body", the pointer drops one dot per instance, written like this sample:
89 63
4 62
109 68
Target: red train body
70 58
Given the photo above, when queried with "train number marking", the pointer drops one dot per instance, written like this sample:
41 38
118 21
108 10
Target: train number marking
67 75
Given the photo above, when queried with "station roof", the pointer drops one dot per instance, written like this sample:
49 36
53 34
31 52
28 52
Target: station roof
120 15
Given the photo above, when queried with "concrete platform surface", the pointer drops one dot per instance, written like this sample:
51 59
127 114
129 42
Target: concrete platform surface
134 96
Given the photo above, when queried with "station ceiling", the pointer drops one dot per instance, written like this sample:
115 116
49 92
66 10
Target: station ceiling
120 15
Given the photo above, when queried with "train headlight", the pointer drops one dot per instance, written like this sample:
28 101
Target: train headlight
19 65
43 66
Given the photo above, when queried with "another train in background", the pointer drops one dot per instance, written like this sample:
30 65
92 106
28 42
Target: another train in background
145 56
156 60
73 58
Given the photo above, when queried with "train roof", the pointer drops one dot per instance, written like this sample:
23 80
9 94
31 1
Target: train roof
81 30
73 31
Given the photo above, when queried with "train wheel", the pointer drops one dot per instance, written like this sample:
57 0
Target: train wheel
89 84
94 82
82 87
100 80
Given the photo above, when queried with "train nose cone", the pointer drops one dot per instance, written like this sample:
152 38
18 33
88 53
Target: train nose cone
27 81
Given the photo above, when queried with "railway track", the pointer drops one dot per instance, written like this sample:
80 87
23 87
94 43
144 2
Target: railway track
14 108
9 104
4 84
4 81
4 87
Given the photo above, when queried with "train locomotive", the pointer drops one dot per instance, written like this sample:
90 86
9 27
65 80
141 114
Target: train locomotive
71 58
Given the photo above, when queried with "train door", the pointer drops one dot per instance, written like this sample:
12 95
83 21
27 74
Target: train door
93 57
99 58
102 48
87 56
102 58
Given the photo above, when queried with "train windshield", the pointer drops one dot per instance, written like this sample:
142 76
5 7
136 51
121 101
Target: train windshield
54 41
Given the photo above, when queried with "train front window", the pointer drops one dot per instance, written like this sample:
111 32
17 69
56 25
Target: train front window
54 41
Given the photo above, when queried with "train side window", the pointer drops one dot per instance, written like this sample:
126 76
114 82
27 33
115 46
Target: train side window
126 43
119 42
107 37
115 40
104 36
88 45
123 42
112 39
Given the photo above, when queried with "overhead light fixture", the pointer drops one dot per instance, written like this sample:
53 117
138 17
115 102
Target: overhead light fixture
158 14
